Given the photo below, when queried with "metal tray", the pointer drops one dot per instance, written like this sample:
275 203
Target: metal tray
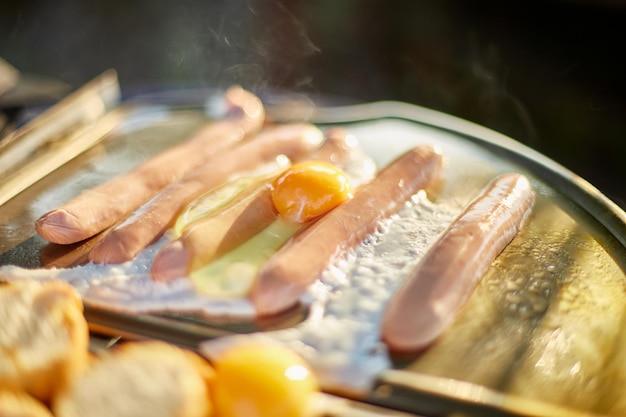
564 276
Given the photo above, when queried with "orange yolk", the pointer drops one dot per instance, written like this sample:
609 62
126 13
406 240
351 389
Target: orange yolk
262 380
309 189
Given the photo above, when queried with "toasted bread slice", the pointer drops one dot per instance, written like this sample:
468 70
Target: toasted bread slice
43 337
20 404
140 379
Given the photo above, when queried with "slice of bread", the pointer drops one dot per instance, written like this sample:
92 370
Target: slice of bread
140 379
20 404
43 337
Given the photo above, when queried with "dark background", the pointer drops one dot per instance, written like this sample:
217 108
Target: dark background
547 73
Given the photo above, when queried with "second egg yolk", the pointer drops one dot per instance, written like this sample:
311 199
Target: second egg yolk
262 380
309 189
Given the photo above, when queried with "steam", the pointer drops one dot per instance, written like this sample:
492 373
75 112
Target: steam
498 105
262 46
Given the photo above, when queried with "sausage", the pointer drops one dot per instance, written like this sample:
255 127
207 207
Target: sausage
247 215
132 236
426 303
210 238
103 206
337 148
288 273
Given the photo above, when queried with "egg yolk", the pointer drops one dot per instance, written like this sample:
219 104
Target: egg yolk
310 189
260 380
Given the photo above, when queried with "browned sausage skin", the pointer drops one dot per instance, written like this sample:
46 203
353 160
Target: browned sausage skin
443 280
124 242
238 221
288 273
103 206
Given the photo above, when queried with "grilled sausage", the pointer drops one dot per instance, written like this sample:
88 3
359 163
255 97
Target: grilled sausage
212 237
103 206
287 274
337 148
247 215
135 234
444 279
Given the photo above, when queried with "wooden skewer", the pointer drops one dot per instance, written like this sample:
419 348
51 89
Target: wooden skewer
56 156
81 108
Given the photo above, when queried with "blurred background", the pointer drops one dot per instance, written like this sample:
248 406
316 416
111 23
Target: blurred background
547 73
